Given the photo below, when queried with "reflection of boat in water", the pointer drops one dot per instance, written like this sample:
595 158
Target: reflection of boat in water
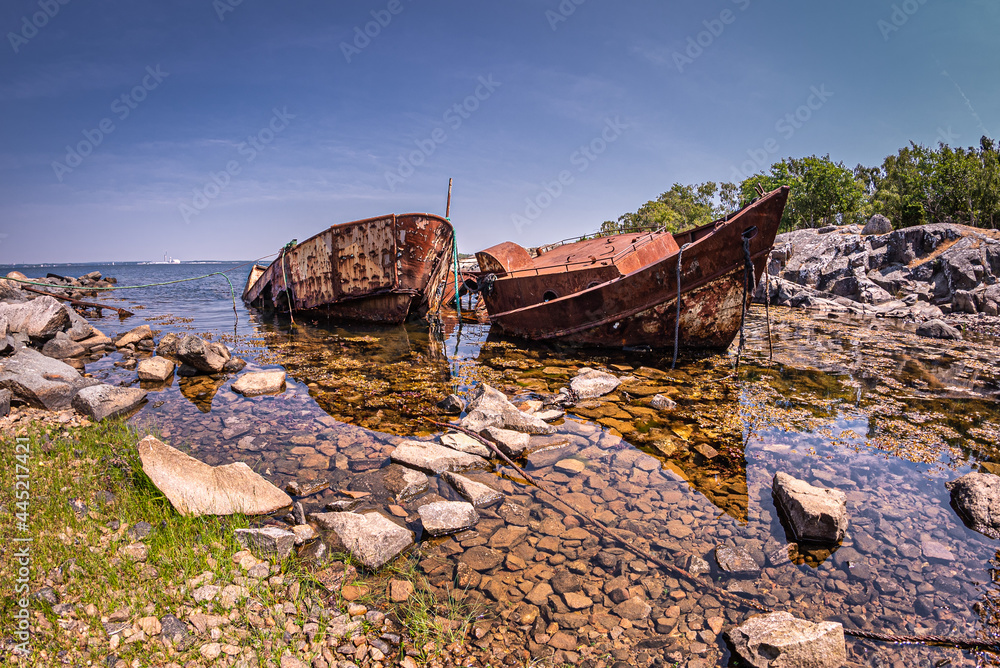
380 270
622 290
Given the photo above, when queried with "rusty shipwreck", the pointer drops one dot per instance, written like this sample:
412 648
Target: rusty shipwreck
384 270
627 289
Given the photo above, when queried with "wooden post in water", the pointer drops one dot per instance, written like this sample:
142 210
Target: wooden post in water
447 208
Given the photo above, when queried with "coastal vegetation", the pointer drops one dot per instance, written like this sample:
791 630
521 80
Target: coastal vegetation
915 186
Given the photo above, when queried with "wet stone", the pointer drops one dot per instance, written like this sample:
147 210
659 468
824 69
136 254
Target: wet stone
434 458
736 561
476 493
465 443
444 517
481 558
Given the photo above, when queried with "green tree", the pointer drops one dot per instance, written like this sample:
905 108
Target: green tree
680 208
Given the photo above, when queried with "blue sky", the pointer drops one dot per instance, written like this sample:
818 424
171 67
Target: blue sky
222 130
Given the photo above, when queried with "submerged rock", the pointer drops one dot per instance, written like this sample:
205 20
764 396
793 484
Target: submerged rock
156 369
779 639
976 497
490 407
205 356
476 493
591 383
434 458
815 513
372 538
662 403
452 404
736 560
100 402
256 383
444 517
41 381
195 488
938 329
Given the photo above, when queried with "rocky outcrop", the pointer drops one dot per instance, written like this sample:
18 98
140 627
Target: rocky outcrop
434 458
256 383
915 272
976 497
490 407
205 356
100 402
779 639
195 488
41 381
445 517
372 538
815 513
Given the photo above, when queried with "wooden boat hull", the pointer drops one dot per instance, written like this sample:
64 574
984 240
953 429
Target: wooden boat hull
639 308
381 270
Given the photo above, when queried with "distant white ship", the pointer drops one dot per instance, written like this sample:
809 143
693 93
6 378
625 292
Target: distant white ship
166 260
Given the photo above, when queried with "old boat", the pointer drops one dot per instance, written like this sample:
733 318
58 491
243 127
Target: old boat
382 270
622 290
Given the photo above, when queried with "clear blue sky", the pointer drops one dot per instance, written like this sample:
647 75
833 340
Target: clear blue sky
306 122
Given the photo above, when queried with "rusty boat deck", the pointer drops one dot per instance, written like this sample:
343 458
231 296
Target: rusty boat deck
383 270
622 290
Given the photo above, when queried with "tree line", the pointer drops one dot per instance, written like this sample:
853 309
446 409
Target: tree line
917 185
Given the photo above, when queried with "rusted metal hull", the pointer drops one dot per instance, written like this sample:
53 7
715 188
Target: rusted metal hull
380 270
583 301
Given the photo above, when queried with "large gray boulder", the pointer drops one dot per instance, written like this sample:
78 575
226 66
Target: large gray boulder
195 488
39 318
62 347
134 336
100 402
490 407
444 517
434 458
814 513
976 497
877 224
591 383
780 640
511 443
256 383
205 356
9 292
41 381
372 539
79 328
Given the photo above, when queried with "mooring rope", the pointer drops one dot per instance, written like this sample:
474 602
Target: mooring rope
747 274
677 319
966 643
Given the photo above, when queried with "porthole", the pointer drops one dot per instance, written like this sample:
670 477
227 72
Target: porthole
549 296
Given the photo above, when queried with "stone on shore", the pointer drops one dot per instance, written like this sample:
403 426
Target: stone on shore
938 329
41 381
404 482
877 224
256 383
62 347
444 517
155 369
476 493
465 443
490 407
814 513
452 404
662 403
511 443
205 356
9 292
779 639
372 538
591 383
434 458
134 336
195 488
269 543
39 318
100 402
5 396
976 496
79 328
